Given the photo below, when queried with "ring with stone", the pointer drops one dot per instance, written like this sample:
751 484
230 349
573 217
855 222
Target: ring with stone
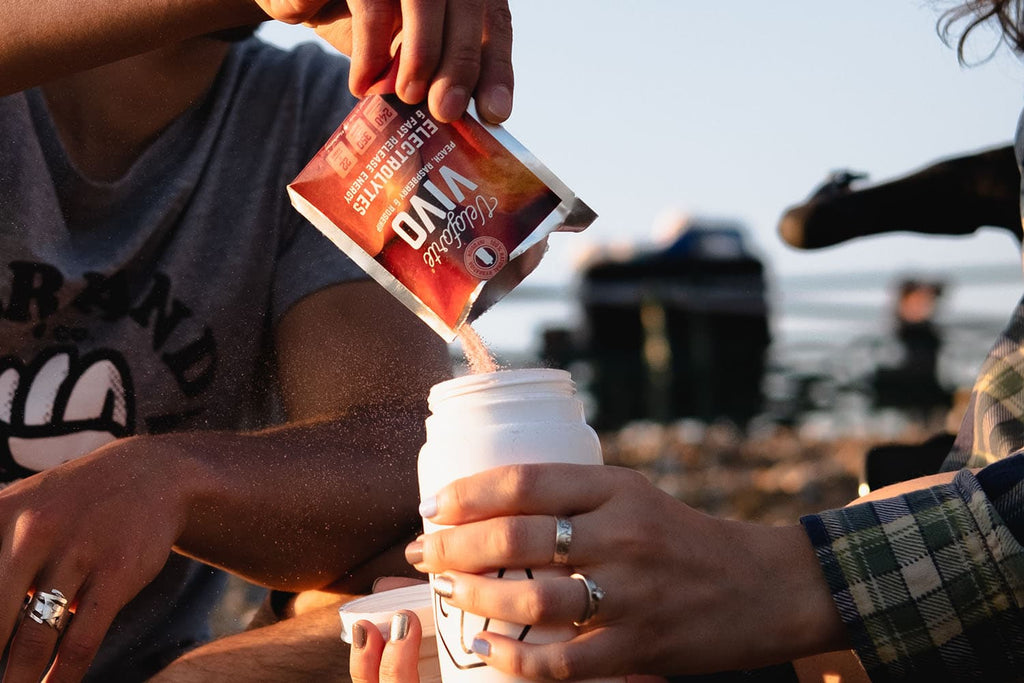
595 595
50 608
563 538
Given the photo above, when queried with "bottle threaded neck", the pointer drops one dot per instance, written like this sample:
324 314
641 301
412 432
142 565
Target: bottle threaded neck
518 384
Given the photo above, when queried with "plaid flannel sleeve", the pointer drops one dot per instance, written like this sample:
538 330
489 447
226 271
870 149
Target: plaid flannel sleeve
931 584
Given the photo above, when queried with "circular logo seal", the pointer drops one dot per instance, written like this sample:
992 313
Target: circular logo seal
485 256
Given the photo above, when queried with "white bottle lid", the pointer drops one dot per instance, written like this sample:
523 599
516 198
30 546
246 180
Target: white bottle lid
380 607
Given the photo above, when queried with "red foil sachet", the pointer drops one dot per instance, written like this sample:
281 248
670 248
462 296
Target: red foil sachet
447 217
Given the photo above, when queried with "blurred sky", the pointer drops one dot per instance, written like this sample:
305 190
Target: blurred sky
736 110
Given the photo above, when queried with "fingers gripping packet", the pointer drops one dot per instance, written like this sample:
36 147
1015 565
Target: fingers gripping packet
448 217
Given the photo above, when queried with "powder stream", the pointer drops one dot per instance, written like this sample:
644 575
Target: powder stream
479 358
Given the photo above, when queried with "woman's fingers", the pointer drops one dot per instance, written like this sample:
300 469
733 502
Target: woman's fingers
367 648
505 542
589 655
554 601
515 542
395 661
399 662
527 489
529 541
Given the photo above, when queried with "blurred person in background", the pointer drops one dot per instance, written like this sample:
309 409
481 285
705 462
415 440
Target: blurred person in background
912 384
954 196
162 308
923 580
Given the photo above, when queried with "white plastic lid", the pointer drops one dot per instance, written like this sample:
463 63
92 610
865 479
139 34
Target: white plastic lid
380 607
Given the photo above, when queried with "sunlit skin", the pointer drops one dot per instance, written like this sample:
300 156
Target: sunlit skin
114 75
481 505
452 50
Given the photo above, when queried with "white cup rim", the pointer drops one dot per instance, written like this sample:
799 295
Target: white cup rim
378 608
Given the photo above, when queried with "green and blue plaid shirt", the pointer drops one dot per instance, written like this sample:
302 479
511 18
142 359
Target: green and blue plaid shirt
931 584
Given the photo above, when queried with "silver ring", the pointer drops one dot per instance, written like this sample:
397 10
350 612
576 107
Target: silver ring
50 609
563 537
594 597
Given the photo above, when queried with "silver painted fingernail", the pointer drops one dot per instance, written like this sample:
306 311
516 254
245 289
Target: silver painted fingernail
428 508
444 586
399 626
358 636
481 647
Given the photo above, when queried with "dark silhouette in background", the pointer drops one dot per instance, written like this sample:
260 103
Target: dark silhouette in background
913 384
677 332
954 196
891 463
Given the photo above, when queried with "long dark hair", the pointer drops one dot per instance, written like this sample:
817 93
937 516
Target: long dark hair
1009 14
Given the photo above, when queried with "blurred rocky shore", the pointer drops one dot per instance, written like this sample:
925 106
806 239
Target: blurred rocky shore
773 475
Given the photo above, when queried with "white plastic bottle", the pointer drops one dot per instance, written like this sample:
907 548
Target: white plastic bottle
482 421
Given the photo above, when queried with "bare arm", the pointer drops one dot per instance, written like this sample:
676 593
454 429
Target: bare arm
307 505
337 486
452 50
46 39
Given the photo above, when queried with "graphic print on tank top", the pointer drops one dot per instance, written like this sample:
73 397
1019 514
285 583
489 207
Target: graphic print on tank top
59 407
